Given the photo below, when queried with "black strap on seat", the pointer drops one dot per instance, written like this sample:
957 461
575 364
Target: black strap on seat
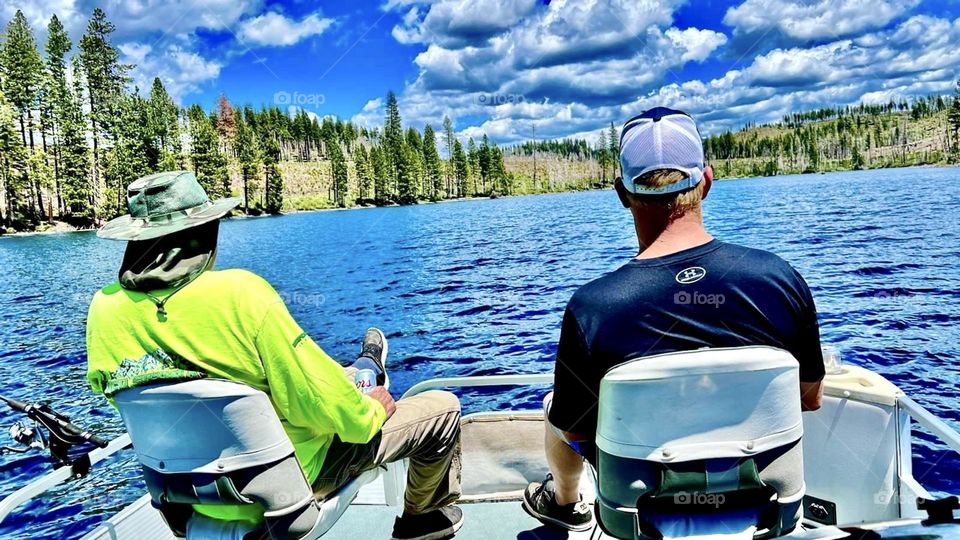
703 488
291 512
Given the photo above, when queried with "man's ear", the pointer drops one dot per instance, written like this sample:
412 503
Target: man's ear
707 181
622 192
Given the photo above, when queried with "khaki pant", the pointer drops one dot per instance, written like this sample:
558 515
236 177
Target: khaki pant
426 429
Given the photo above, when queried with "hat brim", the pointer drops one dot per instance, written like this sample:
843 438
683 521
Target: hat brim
136 229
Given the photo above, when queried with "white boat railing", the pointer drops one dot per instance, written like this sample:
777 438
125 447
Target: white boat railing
478 381
930 422
58 476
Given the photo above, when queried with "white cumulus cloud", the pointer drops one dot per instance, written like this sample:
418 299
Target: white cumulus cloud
810 20
574 68
275 29
181 71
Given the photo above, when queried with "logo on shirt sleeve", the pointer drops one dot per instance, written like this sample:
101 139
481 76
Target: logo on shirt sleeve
691 275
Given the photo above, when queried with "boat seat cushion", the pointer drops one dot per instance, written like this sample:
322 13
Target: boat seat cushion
710 424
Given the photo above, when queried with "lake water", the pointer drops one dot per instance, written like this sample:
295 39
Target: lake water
479 287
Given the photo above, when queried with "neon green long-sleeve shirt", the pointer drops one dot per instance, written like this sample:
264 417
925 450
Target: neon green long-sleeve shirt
232 324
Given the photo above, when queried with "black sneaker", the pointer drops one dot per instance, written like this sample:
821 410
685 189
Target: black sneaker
442 523
375 348
539 500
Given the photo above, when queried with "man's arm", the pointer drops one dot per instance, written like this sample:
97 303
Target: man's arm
575 384
309 388
805 347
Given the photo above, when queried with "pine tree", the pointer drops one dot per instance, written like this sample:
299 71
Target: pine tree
248 155
857 158
603 158
498 171
22 71
78 190
407 168
473 160
415 143
378 164
105 78
226 122
209 163
392 141
268 137
274 187
128 158
613 140
484 158
448 138
57 97
338 167
163 116
41 174
954 119
12 167
361 161
460 167
432 165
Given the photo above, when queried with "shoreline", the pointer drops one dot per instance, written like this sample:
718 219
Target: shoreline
60 227
868 169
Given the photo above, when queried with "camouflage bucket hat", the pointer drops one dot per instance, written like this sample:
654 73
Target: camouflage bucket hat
164 203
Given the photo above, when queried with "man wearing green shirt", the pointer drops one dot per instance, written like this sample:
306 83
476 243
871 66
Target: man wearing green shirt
170 316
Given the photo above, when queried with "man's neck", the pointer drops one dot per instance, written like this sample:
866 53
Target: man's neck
665 237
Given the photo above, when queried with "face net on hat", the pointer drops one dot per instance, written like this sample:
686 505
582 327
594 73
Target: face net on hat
661 138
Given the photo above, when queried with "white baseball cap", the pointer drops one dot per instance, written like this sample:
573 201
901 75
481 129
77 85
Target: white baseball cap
661 138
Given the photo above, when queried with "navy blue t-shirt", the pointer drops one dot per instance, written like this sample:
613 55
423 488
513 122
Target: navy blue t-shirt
713 295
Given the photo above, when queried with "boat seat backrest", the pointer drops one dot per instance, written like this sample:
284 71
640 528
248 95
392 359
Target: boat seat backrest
699 434
213 441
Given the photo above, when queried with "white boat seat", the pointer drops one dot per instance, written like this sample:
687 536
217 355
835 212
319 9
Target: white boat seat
701 444
214 441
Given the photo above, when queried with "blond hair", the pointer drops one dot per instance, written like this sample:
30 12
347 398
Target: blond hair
674 204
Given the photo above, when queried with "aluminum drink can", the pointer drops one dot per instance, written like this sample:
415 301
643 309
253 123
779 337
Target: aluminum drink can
365 379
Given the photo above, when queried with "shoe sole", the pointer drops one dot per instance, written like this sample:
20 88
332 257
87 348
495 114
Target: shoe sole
437 535
556 522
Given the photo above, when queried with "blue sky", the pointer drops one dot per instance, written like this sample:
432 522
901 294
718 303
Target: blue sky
509 67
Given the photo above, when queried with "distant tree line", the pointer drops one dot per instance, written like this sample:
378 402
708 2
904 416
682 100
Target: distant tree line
73 135
605 152
924 130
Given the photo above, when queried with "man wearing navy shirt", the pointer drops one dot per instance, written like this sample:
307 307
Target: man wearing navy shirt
684 290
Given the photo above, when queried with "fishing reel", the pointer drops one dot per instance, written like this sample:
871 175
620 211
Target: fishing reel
29 437
52 431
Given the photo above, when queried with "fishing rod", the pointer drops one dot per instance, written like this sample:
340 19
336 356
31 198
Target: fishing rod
61 437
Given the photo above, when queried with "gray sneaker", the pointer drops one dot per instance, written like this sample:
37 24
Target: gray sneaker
540 501
436 525
375 348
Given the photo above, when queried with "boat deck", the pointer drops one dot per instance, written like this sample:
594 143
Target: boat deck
482 521
852 455
502 453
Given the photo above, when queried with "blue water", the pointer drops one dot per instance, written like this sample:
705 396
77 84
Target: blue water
478 288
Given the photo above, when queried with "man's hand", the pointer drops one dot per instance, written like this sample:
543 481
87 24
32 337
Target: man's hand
382 395
811 395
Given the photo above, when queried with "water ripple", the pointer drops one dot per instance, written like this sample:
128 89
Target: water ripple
477 288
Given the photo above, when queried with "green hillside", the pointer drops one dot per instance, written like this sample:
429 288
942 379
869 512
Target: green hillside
924 131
